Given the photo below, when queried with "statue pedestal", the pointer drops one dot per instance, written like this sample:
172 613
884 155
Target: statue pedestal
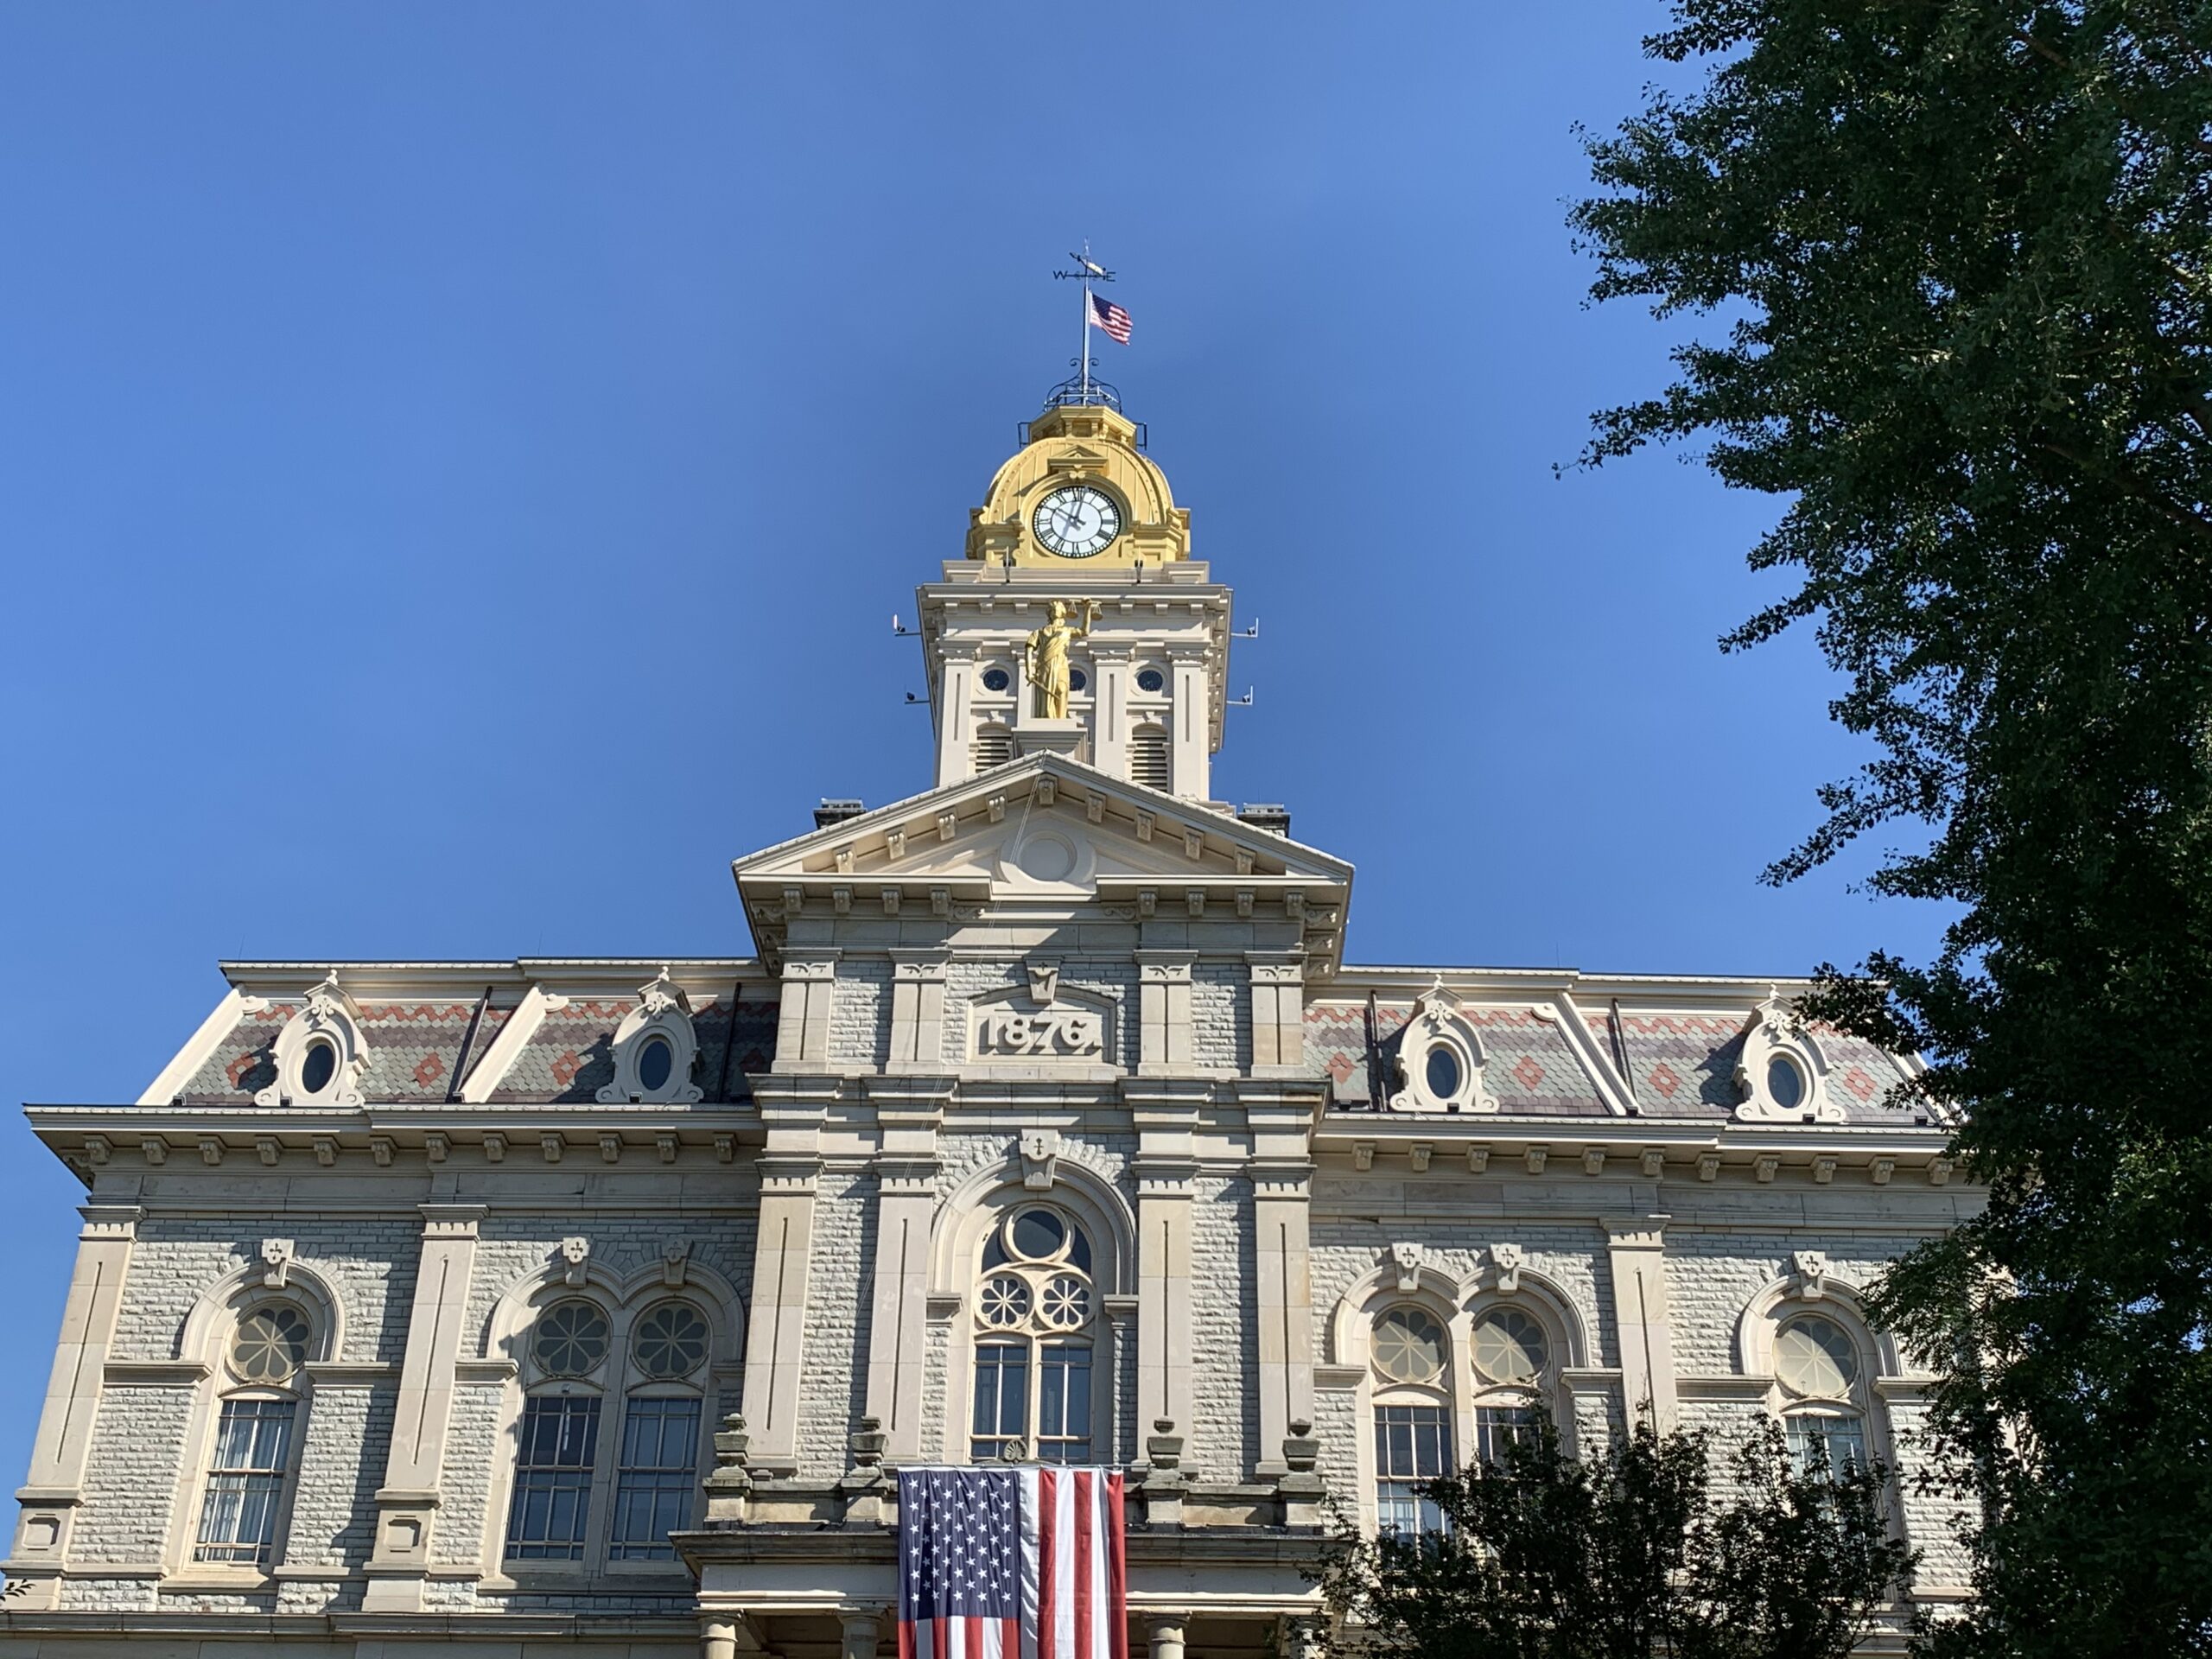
1038 735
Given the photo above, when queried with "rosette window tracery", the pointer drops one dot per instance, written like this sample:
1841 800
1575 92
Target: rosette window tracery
1036 1309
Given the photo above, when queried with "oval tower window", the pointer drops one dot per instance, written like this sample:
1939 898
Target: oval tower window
318 1067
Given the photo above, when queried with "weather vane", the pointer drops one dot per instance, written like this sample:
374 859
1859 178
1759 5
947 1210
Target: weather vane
1097 312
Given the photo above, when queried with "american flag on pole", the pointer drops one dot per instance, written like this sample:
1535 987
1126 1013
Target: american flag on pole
1104 314
1011 1564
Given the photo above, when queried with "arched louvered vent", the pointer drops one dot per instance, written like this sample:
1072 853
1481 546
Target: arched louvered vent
992 747
1148 756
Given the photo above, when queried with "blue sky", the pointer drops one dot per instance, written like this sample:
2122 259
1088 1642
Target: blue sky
458 463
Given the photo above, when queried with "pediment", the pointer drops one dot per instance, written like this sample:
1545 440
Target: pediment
1045 830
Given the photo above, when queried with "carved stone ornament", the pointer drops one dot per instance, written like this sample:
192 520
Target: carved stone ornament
1408 1260
326 1020
574 1252
1040 1158
1439 1048
662 1016
675 1261
1506 1259
1781 1073
1042 1021
277 1255
1813 1268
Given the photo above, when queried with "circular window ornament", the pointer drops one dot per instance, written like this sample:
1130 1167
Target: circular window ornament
1151 681
671 1341
318 1067
997 679
1037 1235
1004 1302
1815 1357
656 1061
1509 1348
1409 1345
1066 1302
1079 680
271 1344
570 1339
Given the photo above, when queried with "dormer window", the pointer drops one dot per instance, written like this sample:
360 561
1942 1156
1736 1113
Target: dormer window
318 1067
319 1055
1785 1084
1443 1072
655 1049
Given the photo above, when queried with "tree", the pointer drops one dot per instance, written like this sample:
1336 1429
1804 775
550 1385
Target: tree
1958 262
1625 1553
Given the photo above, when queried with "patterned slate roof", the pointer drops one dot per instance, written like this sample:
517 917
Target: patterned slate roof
1682 1064
414 1049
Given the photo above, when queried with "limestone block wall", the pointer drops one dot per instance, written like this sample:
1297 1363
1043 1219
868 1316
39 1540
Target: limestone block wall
839 1283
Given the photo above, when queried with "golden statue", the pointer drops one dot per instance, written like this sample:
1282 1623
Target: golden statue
1045 659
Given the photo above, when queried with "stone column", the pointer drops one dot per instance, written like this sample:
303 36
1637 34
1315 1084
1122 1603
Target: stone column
792 1109
55 1487
1636 1252
1188 740
860 1632
1163 1634
407 1503
908 1114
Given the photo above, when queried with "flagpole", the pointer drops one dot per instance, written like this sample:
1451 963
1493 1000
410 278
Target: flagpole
1086 319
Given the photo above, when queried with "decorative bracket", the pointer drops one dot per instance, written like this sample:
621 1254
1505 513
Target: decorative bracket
576 1252
1408 1260
1813 1269
675 1261
1506 1259
1040 1157
277 1255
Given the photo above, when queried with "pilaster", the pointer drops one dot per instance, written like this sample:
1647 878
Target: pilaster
1637 1252
917 1010
1278 1012
955 720
1110 735
1189 743
1166 1115
1164 1034
407 1503
1282 1178
909 1113
803 1016
790 1165
55 1486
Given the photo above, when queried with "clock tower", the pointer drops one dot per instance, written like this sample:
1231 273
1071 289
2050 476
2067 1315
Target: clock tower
1078 565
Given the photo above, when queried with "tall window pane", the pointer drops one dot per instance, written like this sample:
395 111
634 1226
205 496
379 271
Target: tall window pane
560 1439
1833 1441
654 1482
1499 1427
245 1486
1001 1397
1063 1404
1411 1446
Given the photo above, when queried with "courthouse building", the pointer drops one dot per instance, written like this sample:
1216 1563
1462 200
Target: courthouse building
1040 1116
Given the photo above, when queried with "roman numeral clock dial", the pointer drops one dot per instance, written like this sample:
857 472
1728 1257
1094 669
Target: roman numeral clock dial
1076 523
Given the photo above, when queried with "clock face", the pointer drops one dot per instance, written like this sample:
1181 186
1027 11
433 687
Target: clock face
1076 523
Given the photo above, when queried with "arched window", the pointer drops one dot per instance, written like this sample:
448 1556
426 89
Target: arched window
1148 756
1036 1316
1412 1417
256 1437
659 1470
584 1486
993 746
1512 1358
1818 1364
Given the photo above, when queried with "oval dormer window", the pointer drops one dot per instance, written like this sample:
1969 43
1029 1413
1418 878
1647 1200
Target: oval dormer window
1443 1073
318 1066
997 679
1785 1083
1151 681
655 1059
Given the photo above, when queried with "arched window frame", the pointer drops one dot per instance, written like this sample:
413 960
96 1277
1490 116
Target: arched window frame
1812 1289
663 1012
1409 1277
616 1381
1440 1022
326 1015
205 1342
966 1220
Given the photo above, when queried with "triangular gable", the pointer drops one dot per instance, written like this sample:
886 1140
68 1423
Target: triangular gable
1048 829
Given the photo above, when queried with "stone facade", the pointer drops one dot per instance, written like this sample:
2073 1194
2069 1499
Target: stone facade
502 1245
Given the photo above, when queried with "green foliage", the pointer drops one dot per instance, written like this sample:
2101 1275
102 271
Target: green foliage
1626 1553
1959 262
